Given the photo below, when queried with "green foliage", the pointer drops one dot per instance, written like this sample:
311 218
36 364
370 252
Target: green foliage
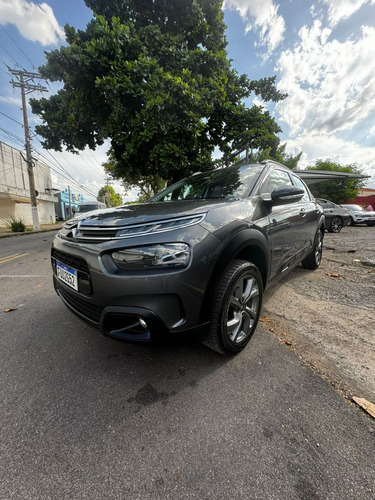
154 77
108 196
147 185
278 155
337 191
16 225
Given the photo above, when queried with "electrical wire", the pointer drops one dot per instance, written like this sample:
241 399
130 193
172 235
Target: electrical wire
10 118
19 48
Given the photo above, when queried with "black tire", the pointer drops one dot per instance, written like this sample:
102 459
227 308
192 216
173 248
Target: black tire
336 225
313 260
370 223
235 308
351 221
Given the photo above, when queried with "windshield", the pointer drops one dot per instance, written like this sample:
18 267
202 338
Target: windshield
87 208
233 182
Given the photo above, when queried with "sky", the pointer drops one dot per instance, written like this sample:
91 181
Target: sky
321 52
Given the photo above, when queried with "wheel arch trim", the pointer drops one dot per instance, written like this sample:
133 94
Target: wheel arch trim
248 244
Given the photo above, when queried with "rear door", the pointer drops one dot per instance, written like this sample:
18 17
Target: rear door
311 212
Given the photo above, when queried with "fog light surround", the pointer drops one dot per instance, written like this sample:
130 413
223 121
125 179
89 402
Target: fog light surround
159 256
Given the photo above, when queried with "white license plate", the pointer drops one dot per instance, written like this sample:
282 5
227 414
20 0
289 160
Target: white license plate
67 275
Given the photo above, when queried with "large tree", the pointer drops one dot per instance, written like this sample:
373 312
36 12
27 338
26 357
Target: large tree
278 155
153 76
338 191
108 196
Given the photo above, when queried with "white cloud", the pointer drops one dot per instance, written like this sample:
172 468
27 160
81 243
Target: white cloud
261 15
35 22
342 9
330 85
317 147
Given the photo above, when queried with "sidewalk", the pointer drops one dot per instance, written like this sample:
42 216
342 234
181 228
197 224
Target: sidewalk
6 233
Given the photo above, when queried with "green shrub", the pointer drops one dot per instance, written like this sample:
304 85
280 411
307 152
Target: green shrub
16 225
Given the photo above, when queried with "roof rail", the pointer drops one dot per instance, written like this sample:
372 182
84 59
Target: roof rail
273 161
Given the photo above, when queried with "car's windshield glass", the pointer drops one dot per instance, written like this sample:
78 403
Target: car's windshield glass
354 207
87 208
233 182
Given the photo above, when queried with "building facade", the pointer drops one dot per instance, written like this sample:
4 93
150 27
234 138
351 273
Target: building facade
66 202
15 190
365 196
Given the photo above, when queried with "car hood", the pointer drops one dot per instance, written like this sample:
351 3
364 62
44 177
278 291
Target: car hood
363 212
150 212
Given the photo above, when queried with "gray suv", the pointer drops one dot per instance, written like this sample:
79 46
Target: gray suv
194 260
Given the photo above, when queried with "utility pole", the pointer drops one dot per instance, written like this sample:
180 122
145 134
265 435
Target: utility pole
24 79
108 196
70 203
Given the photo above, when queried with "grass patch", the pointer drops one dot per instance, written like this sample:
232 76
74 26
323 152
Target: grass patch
16 225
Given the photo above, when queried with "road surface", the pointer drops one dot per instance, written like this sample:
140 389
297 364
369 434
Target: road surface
83 416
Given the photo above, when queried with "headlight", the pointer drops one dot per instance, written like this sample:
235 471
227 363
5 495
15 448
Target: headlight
169 255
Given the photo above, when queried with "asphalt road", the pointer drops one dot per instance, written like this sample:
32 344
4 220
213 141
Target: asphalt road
87 417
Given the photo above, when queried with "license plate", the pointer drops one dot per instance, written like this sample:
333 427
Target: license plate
67 274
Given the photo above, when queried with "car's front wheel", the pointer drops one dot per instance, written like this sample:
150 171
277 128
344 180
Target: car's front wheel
235 308
336 225
370 223
313 260
351 221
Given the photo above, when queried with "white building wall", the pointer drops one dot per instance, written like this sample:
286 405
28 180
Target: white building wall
15 192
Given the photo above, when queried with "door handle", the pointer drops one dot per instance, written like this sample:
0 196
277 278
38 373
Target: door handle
302 212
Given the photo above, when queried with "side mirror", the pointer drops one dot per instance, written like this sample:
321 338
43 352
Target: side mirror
283 195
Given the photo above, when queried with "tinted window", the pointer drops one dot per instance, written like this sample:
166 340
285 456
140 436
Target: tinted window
276 179
233 182
87 208
300 184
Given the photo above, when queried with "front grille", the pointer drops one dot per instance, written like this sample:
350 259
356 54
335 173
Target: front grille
71 260
78 263
93 233
90 311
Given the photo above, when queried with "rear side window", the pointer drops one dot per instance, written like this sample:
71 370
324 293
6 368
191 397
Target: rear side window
300 184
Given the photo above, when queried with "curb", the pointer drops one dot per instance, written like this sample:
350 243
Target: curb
11 235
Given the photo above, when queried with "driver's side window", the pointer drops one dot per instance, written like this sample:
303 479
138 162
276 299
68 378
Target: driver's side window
276 179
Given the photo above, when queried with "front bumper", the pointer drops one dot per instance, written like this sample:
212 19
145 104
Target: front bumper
134 306
124 323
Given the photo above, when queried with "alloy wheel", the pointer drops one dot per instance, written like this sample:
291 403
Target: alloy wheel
242 309
336 225
318 248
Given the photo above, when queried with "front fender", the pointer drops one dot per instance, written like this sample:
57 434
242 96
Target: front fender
249 244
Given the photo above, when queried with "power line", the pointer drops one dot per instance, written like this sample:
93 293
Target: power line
1 69
10 55
10 118
19 48
63 173
5 97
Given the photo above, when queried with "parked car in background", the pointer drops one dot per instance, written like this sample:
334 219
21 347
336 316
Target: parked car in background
89 206
358 215
194 259
336 216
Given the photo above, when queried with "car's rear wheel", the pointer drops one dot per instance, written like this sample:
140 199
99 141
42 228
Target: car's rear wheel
235 308
313 260
336 225
351 221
